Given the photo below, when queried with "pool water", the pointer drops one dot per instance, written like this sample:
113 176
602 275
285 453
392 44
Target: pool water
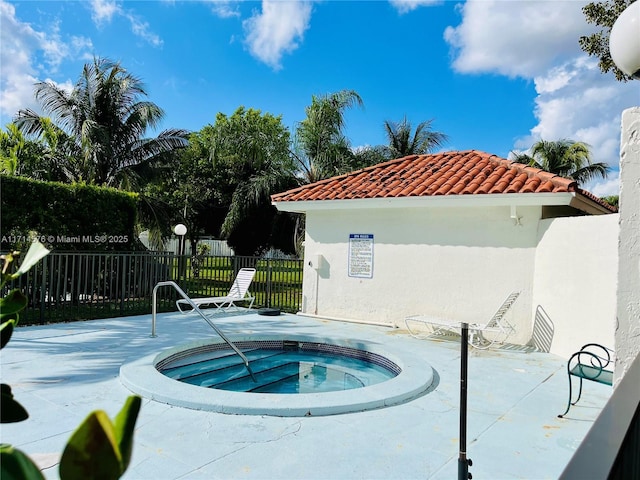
285 369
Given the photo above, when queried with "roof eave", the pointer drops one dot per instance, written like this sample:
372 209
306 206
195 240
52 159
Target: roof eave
479 200
587 205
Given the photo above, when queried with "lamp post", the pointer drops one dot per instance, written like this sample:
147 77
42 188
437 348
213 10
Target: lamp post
180 230
624 45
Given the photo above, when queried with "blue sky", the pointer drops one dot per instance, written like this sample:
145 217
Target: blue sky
493 75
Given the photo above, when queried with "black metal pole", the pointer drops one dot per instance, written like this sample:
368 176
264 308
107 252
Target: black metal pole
463 461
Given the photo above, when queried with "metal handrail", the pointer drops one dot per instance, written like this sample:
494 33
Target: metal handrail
206 319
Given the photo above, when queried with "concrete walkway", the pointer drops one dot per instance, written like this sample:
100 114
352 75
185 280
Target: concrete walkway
62 372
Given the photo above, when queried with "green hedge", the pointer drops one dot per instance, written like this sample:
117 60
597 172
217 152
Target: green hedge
65 217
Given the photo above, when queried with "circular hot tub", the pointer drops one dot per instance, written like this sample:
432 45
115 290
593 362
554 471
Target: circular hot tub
291 376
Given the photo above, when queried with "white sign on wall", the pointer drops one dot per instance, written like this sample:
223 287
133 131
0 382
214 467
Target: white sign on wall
361 255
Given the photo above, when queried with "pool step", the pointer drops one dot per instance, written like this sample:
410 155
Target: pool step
205 358
290 377
217 364
263 377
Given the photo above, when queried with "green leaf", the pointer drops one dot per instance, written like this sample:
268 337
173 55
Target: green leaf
92 451
16 465
10 411
125 423
13 302
6 330
37 251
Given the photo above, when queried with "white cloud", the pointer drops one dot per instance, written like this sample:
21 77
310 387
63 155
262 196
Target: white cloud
515 38
605 188
224 8
54 49
583 105
406 6
103 11
141 28
277 29
538 41
26 56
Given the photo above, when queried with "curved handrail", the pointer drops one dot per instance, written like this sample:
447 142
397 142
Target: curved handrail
196 309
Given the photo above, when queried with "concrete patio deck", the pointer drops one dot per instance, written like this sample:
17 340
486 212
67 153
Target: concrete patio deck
62 372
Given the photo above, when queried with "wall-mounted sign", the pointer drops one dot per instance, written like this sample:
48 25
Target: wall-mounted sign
361 255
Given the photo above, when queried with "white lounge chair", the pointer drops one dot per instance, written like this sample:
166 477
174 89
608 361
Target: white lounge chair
237 293
496 325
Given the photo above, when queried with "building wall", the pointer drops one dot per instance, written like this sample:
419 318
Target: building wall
461 263
575 278
458 263
628 325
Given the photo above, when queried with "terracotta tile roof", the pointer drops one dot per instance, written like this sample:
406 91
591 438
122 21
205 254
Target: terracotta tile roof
467 172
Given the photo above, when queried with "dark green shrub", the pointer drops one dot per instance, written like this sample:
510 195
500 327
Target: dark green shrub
73 217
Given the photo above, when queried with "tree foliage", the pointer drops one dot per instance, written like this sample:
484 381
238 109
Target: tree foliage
613 200
223 181
402 142
321 148
565 158
253 149
367 156
187 190
17 152
603 14
97 130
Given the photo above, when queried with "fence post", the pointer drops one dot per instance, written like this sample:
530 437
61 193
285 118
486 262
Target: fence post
43 287
463 461
269 271
122 284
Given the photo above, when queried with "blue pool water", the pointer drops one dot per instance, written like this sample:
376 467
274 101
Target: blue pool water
280 367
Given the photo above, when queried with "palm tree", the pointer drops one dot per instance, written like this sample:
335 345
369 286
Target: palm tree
566 158
322 148
107 119
403 143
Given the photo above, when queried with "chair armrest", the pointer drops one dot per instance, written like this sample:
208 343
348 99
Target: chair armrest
591 366
603 355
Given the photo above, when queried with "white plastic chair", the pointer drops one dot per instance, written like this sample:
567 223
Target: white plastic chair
237 293
496 325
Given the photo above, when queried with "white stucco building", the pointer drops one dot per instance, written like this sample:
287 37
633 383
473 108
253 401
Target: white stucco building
451 235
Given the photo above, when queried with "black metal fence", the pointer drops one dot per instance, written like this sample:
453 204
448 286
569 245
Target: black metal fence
81 286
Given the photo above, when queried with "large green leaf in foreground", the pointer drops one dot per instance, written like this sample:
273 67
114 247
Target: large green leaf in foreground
15 465
100 449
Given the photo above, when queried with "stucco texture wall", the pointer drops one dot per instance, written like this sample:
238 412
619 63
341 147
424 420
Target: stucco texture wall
458 263
461 263
575 281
